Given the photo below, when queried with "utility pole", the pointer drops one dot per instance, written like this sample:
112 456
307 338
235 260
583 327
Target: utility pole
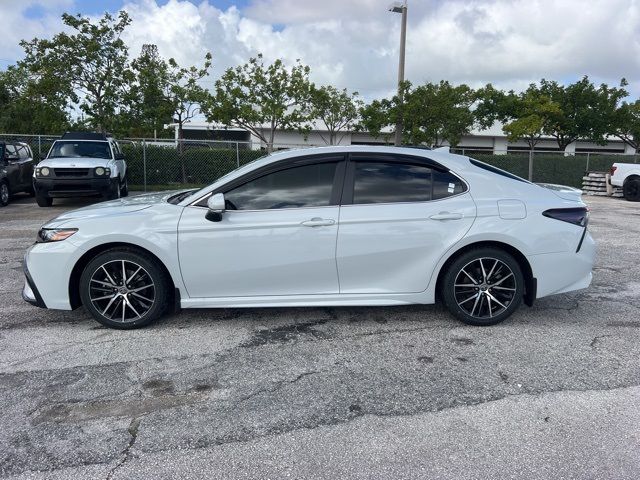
402 9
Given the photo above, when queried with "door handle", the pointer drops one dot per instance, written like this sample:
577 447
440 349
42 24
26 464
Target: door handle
318 222
446 216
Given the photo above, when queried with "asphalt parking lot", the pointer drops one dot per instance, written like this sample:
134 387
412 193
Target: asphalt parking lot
401 392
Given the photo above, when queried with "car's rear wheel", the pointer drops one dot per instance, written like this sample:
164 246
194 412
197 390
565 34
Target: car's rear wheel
124 288
631 190
483 286
43 200
4 194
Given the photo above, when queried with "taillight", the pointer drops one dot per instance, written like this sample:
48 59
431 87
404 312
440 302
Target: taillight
612 170
578 216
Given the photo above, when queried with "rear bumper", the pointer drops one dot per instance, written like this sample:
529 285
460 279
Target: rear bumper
564 271
74 187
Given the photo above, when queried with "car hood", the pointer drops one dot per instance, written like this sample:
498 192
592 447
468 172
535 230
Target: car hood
74 162
112 208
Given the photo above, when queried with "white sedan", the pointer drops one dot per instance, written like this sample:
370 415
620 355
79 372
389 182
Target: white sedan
334 226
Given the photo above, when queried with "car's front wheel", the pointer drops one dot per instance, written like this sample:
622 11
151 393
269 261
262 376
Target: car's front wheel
631 190
124 288
483 286
43 200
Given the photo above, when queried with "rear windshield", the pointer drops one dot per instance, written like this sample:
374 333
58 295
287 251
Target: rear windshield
496 170
69 148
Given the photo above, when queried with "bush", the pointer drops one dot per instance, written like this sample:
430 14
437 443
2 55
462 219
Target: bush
554 167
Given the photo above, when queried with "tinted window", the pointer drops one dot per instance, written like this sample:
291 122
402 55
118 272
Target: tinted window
446 184
11 151
307 186
379 182
496 170
23 151
80 149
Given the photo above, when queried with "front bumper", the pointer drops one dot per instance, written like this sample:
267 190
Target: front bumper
74 187
30 293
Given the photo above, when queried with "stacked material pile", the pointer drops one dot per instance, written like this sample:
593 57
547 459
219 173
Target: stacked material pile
597 183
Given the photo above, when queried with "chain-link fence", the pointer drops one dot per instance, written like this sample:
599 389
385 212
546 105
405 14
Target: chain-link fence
550 166
155 164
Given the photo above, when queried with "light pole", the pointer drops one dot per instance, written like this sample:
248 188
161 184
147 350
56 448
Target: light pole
400 7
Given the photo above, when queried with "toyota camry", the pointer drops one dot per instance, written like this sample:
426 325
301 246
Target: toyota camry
331 226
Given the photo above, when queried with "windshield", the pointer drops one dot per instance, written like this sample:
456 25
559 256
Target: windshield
76 149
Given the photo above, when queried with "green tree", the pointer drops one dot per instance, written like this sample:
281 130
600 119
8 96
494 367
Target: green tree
30 103
336 109
493 106
625 124
433 113
582 112
262 98
148 109
378 115
92 60
528 116
184 93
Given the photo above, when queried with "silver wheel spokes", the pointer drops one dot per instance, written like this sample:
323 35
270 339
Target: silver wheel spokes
122 290
485 287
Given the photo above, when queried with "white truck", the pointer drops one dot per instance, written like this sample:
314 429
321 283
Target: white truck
627 176
81 164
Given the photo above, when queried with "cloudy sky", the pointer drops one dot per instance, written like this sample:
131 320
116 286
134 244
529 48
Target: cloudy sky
354 43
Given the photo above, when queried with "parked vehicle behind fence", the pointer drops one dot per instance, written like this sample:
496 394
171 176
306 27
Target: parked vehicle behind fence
16 170
81 164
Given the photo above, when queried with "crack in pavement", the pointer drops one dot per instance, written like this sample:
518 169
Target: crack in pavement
134 426
277 386
358 413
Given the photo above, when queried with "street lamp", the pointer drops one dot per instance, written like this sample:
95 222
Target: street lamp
400 7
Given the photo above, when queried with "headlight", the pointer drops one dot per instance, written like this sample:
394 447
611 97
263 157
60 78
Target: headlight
101 172
46 235
43 172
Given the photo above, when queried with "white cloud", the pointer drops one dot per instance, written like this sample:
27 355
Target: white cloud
354 43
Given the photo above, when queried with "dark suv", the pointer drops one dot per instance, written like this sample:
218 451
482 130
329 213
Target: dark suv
16 170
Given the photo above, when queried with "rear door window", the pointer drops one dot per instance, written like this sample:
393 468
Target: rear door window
400 182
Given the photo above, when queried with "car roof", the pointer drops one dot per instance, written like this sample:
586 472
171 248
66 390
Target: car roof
84 136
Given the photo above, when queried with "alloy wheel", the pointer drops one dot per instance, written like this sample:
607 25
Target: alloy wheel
122 291
485 287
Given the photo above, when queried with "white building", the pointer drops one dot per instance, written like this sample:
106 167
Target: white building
490 140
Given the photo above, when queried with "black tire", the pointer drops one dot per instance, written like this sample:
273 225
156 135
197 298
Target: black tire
5 193
43 200
124 189
475 300
631 189
114 191
125 299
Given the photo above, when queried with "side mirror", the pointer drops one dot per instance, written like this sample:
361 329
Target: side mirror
216 205
119 156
